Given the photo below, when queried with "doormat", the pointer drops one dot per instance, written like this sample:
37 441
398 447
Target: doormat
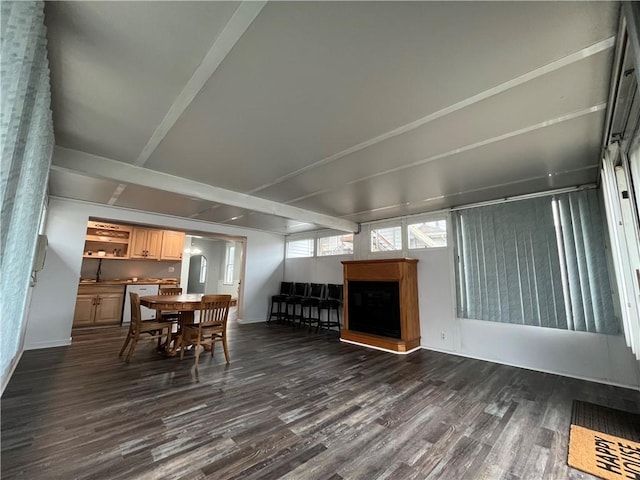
604 442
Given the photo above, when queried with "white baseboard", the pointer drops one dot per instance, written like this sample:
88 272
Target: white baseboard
561 374
244 321
10 370
380 348
52 343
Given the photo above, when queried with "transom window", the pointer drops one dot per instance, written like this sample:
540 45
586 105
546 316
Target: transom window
335 245
427 234
300 248
386 239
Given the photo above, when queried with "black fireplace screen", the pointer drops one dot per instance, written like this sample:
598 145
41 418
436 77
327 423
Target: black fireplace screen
374 307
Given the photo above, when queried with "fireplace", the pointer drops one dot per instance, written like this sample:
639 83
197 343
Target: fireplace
381 304
374 307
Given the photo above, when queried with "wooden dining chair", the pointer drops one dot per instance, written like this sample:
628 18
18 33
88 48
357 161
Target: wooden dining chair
164 315
212 328
154 328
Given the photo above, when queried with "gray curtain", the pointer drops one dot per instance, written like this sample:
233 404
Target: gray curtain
584 250
516 265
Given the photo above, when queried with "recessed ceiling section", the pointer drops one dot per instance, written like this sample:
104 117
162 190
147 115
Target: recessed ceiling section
250 219
537 154
350 111
532 105
470 197
222 213
153 200
116 67
80 187
303 84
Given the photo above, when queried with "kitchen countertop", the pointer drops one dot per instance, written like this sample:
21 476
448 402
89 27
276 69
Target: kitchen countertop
128 281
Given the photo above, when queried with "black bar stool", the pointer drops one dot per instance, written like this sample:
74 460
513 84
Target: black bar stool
317 292
279 300
294 302
333 302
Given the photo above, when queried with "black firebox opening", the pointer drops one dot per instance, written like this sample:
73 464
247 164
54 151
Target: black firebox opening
374 307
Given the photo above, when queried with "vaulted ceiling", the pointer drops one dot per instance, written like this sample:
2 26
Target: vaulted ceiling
288 116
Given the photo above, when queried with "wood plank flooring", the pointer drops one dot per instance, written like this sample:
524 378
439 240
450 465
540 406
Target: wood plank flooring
292 405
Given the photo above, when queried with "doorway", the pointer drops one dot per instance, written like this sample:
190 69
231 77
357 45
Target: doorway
213 265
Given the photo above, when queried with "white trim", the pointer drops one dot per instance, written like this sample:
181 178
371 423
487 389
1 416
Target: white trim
511 364
53 343
515 198
12 367
381 349
244 321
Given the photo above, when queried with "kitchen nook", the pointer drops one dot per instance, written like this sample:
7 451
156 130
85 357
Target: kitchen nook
119 259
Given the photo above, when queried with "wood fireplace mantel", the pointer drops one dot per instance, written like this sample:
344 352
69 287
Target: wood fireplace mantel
401 270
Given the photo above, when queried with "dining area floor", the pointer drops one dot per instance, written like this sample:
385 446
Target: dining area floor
291 404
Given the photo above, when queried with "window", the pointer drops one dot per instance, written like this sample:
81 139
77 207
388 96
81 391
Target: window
428 234
538 262
229 264
336 245
300 248
203 269
386 239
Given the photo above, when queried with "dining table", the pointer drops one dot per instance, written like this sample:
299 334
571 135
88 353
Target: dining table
186 304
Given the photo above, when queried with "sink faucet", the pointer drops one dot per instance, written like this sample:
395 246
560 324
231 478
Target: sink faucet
99 270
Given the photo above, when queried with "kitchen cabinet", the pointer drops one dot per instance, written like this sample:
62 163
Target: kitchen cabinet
107 240
98 305
172 245
145 243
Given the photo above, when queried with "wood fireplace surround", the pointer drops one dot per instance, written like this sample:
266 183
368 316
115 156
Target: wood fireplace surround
384 304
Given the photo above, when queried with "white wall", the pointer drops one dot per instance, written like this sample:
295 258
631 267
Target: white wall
590 356
51 314
213 251
315 270
129 268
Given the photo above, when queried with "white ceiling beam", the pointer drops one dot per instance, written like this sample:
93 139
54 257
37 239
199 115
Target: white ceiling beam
100 167
239 22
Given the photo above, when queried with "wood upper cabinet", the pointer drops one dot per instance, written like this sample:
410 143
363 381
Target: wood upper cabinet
172 245
145 243
98 305
127 242
107 240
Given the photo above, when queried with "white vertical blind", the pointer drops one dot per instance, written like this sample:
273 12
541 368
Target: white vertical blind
26 142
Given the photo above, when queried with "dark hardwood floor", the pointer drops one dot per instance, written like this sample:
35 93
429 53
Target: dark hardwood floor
290 405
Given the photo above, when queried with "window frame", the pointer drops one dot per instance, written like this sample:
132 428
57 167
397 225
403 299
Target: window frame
430 219
300 239
382 225
230 252
319 238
